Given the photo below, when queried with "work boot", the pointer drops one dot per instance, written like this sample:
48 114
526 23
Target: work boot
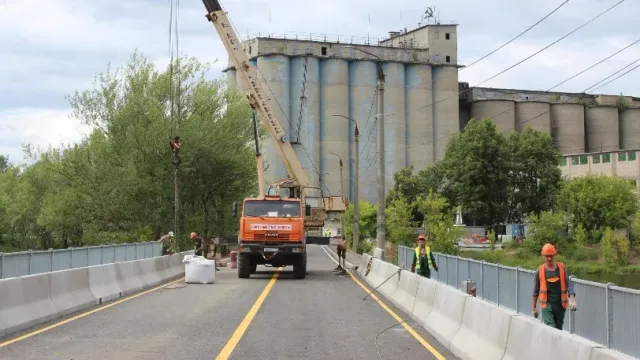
338 268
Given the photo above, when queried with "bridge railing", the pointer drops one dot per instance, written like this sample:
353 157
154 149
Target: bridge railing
30 262
607 314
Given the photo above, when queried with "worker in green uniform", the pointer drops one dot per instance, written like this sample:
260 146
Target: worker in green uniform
423 259
167 243
553 288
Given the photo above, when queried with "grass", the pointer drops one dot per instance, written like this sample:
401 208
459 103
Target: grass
580 260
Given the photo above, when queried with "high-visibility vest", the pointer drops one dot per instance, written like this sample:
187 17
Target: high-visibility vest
542 275
427 252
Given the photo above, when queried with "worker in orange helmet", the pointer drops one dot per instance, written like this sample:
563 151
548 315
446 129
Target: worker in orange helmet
197 242
423 259
553 288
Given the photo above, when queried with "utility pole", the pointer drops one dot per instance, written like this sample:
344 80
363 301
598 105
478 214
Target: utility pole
341 182
176 146
380 231
356 180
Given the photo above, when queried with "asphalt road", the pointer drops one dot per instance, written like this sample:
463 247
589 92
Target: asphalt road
320 317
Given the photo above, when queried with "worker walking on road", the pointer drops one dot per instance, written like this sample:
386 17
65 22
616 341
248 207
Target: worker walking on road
341 246
553 288
423 259
167 243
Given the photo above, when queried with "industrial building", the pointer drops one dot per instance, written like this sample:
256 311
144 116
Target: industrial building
311 81
578 123
612 163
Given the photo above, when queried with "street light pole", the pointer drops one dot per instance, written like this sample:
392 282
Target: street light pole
356 181
341 175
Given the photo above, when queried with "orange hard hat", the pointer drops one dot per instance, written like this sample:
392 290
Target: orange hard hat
193 235
421 237
548 249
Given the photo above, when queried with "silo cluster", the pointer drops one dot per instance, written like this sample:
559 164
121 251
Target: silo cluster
575 127
420 107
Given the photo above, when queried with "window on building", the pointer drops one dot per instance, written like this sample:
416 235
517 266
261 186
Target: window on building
606 158
249 50
447 36
622 156
631 156
584 160
324 50
563 161
596 159
575 160
448 59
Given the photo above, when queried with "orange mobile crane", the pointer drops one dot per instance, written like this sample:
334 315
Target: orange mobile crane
275 226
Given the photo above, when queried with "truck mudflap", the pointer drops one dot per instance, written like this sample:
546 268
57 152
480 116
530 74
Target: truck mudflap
318 240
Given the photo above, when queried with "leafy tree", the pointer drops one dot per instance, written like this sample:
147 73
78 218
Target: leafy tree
534 160
366 224
398 222
548 227
476 165
117 184
438 224
615 247
596 202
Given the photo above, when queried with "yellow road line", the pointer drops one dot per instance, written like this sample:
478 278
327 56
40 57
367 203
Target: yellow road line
80 316
417 336
242 328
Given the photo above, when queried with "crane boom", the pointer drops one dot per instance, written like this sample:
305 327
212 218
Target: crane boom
258 99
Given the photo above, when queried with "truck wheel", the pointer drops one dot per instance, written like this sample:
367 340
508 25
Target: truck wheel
244 266
300 267
254 267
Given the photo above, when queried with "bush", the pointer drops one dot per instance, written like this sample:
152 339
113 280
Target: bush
548 227
615 248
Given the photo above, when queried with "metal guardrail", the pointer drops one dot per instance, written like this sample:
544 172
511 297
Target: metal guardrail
23 263
607 314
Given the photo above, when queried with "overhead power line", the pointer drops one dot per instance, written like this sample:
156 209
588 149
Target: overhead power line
608 82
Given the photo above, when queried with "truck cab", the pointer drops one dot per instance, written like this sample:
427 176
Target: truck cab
272 233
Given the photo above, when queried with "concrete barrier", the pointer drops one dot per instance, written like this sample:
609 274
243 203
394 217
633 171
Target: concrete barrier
484 331
376 274
70 290
391 277
103 282
608 354
445 319
128 278
146 270
426 299
529 339
405 295
25 302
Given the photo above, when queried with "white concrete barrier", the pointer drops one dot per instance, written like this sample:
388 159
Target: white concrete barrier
70 290
25 302
484 331
405 295
128 278
146 270
608 354
426 299
103 282
529 339
391 277
376 274
362 268
445 319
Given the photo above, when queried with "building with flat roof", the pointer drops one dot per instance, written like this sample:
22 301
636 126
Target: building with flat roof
622 163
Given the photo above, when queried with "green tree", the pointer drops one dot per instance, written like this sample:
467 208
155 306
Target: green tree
438 223
366 224
548 227
535 176
476 166
596 202
615 247
398 224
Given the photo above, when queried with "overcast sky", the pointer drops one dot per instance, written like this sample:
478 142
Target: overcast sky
53 48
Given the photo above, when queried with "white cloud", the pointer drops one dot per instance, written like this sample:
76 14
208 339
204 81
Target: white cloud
52 50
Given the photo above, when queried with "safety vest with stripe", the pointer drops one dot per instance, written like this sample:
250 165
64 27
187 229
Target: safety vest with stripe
427 252
542 275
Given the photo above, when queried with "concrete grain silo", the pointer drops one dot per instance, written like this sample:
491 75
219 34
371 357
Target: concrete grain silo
395 129
336 132
304 118
630 128
568 127
274 74
420 136
231 79
362 107
533 114
501 112
602 128
445 107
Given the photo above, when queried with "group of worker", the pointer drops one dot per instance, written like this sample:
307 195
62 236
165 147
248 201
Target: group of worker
552 287
168 244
